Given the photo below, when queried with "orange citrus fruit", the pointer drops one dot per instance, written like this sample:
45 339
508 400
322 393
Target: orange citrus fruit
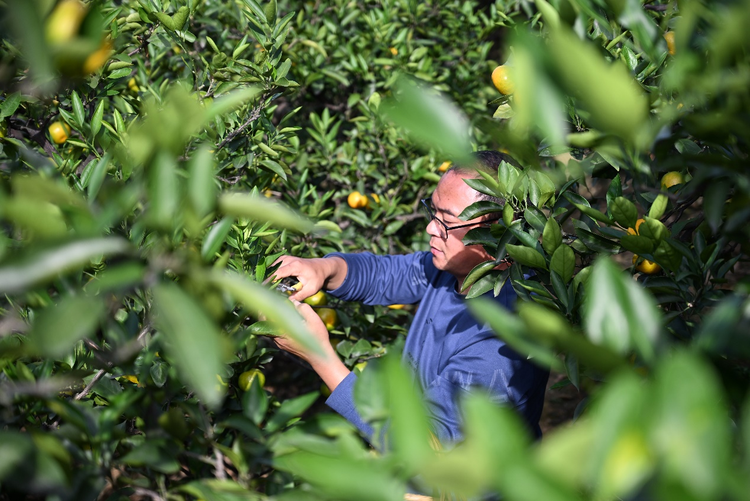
328 316
246 379
502 81
646 266
65 21
356 200
133 85
317 299
669 37
671 178
59 132
632 231
97 58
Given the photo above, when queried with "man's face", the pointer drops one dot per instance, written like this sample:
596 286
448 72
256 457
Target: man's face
449 253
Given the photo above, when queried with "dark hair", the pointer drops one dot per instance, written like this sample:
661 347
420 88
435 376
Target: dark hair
487 161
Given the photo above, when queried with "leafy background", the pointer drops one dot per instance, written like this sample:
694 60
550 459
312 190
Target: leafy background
207 138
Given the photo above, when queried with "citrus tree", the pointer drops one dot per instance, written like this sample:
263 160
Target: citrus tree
150 152
158 155
630 120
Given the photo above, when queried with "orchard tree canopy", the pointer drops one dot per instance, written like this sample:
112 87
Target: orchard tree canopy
158 156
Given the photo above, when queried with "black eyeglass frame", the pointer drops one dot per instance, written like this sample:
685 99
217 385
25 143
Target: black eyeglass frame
427 202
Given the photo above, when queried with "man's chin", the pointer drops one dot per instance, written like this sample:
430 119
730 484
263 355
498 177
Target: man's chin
438 261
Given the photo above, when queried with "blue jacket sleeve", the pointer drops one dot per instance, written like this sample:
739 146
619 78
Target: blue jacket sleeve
371 279
509 379
342 401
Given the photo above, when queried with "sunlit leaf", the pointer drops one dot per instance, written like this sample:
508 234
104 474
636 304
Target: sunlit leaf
430 119
619 313
263 210
259 300
60 326
194 341
49 264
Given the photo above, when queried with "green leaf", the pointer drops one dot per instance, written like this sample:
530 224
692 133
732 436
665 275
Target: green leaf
258 299
668 256
215 238
408 431
597 243
165 20
563 262
290 409
653 229
270 11
180 17
231 101
193 341
624 212
478 209
10 105
97 175
594 214
637 244
255 402
658 206
526 256
478 272
59 327
549 14
696 444
619 313
96 120
77 109
481 185
153 453
607 91
551 236
47 265
511 329
119 123
545 187
201 186
264 210
163 190
713 202
430 119
117 277
535 218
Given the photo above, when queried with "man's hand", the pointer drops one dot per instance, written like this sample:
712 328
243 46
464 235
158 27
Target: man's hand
313 274
328 366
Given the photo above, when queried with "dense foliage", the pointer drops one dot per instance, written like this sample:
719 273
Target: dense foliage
157 156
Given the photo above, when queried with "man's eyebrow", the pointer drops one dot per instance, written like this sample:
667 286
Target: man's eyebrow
445 211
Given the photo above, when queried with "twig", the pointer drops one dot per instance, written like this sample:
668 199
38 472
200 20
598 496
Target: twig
9 325
144 43
254 115
658 8
231 180
221 473
147 492
91 384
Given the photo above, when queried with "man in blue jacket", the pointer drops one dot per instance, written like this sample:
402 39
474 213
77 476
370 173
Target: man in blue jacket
448 350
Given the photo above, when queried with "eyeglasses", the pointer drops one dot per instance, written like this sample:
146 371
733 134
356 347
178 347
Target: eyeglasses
444 228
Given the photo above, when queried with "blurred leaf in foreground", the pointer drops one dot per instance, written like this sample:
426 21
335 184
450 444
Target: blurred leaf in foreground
198 348
430 119
57 328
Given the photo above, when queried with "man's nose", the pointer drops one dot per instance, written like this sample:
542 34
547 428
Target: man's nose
433 228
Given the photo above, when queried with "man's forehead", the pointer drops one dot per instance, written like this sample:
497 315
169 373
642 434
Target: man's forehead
452 196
